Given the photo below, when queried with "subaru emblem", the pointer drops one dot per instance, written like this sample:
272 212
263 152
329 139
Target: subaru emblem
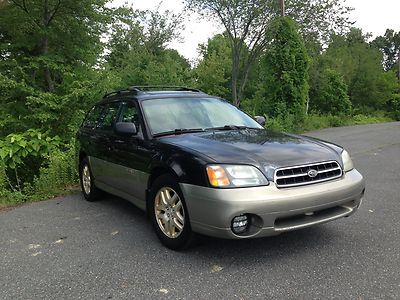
312 173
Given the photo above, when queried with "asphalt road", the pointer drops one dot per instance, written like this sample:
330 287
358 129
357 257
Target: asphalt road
67 248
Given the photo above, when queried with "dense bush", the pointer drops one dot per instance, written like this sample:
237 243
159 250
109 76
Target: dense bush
394 104
59 174
329 94
23 154
33 164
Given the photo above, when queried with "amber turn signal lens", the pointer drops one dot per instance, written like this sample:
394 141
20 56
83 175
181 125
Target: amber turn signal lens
217 176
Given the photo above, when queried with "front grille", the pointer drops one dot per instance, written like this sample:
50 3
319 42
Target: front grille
307 174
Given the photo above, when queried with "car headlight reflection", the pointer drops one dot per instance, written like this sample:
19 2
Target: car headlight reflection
347 162
226 176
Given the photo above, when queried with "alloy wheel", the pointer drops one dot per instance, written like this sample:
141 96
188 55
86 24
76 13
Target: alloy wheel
169 212
86 179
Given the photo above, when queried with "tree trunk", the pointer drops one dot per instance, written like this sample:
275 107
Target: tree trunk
245 77
235 76
235 98
47 73
45 46
282 6
307 105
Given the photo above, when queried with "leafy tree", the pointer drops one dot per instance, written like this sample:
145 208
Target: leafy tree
319 19
137 52
246 23
133 29
286 70
212 74
48 50
46 36
144 68
328 93
389 44
360 64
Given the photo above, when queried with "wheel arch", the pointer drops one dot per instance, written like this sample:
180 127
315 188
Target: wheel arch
155 173
82 155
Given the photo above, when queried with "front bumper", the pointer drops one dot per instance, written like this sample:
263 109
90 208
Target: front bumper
272 210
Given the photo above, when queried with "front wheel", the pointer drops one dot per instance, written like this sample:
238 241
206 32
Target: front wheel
169 214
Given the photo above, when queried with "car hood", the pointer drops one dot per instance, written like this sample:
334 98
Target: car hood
265 149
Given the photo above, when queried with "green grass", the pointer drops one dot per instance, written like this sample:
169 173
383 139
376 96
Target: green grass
315 122
10 199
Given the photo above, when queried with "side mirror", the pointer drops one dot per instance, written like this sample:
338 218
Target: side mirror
260 120
125 129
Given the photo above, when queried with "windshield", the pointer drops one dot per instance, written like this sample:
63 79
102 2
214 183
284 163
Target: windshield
164 115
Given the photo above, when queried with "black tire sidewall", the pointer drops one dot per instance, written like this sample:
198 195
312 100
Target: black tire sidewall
185 238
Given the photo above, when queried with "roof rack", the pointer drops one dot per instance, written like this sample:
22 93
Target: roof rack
143 88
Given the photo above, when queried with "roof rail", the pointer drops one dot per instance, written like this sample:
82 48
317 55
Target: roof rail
119 92
143 88
164 87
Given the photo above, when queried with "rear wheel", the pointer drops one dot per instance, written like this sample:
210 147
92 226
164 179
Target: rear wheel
89 189
169 214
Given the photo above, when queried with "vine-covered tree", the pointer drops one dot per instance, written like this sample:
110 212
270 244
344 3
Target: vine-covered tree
286 64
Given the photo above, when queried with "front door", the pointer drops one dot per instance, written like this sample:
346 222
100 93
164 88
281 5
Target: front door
133 156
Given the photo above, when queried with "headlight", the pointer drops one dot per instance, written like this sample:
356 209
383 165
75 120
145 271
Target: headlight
347 162
226 176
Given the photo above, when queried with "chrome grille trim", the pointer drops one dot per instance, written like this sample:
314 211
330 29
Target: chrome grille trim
298 175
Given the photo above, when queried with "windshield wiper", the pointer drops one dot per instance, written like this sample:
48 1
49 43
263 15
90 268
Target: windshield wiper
229 127
178 131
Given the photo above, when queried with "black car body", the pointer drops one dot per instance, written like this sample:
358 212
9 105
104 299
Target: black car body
292 181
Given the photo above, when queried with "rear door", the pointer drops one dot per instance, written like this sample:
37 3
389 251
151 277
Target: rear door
103 136
87 132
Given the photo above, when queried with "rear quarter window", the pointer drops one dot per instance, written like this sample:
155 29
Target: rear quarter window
93 116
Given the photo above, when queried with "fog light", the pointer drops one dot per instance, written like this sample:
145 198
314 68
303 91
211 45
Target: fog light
240 224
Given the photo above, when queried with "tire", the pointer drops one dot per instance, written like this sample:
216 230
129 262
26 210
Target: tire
88 187
169 215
